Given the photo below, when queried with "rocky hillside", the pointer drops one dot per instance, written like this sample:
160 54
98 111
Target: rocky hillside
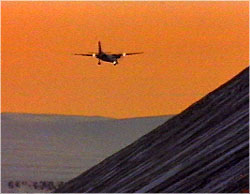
203 149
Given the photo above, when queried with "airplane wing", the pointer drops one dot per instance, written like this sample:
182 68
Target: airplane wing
85 54
132 53
125 54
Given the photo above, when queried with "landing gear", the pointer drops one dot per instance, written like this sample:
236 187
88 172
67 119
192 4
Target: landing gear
99 62
115 63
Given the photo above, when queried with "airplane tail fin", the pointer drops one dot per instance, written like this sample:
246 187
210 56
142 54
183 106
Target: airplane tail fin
99 47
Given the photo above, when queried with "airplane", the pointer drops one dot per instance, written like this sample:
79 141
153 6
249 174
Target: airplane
111 58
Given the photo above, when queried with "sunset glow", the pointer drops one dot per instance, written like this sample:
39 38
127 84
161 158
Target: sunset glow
190 49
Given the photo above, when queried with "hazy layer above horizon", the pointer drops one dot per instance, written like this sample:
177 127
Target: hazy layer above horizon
51 117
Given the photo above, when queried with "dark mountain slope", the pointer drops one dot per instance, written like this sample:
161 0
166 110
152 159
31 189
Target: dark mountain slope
203 149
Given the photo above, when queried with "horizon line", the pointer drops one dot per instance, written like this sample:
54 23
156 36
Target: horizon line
74 115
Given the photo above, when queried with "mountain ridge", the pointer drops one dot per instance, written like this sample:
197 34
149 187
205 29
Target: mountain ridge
205 148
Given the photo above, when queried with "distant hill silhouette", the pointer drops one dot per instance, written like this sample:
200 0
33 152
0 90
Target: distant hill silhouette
26 117
203 149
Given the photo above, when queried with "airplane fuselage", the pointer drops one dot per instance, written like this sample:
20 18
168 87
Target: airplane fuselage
108 58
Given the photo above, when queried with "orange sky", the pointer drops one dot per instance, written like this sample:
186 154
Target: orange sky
190 48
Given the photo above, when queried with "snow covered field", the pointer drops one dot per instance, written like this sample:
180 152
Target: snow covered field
39 152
